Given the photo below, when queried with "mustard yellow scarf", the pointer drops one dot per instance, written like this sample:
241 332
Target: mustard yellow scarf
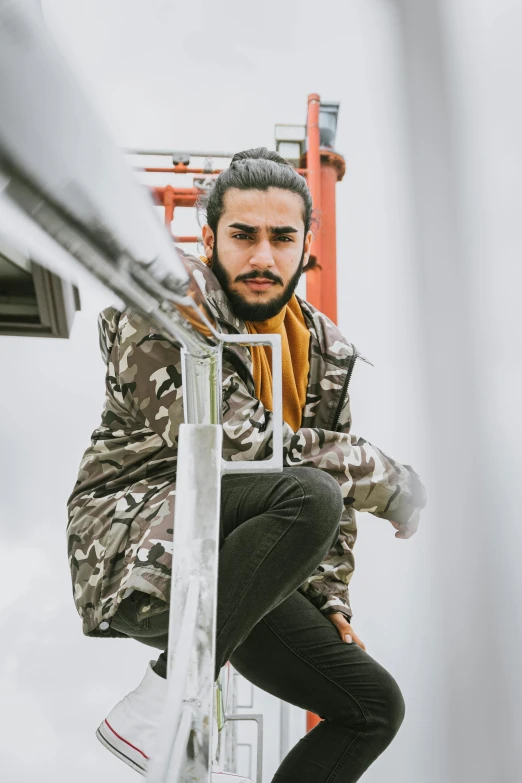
295 343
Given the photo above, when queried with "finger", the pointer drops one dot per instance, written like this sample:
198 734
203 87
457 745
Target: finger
358 641
405 533
340 622
343 626
349 636
346 631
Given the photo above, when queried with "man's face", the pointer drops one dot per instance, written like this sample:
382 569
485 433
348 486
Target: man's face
262 250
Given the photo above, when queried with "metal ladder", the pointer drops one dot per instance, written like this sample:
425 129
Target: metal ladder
53 166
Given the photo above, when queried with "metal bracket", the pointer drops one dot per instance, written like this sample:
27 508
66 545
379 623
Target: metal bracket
275 463
259 720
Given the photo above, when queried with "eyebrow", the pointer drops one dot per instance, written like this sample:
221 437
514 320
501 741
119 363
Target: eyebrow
272 229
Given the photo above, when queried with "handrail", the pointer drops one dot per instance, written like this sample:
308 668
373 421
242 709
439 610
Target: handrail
173 712
69 178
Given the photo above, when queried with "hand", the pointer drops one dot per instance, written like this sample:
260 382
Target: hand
345 629
407 529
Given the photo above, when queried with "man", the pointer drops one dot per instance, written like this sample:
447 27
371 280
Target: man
286 554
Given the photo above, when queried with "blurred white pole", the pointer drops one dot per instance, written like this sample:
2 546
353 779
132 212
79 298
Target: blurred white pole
284 730
480 681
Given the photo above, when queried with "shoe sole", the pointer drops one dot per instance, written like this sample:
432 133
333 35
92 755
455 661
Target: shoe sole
121 748
137 760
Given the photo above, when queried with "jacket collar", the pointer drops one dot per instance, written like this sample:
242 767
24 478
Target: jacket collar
214 294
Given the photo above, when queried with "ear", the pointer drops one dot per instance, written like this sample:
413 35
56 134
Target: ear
208 240
307 247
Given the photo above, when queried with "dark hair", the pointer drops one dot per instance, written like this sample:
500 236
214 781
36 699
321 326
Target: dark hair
256 169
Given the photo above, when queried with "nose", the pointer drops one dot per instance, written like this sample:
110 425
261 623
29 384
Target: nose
262 255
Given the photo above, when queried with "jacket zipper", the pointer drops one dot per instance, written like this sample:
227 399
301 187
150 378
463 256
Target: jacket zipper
344 392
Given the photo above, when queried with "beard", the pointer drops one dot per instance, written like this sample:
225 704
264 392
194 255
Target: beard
255 311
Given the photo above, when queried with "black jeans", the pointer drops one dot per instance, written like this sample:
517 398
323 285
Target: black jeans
277 529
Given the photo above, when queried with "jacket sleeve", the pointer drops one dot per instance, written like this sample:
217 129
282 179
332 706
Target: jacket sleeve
328 587
370 480
147 377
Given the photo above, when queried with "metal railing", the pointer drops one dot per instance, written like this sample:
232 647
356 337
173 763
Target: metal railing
60 167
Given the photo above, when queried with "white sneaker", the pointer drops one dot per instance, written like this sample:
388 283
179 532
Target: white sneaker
129 729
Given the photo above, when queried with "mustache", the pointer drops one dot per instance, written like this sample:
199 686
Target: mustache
255 275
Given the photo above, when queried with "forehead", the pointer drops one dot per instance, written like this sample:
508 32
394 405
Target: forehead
271 207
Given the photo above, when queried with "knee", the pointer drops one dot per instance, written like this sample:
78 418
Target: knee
390 715
322 502
383 714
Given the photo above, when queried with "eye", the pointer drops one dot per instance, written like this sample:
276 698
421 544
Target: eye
285 239
241 236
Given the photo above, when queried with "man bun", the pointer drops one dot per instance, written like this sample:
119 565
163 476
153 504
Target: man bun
255 169
260 153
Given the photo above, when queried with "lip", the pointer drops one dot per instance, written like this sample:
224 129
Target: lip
259 285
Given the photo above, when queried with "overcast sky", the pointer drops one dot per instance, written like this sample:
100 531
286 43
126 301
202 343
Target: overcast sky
220 75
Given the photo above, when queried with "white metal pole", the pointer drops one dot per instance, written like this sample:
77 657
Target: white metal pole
192 607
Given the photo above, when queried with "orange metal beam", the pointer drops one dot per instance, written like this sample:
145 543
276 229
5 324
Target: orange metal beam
329 243
168 203
312 720
179 169
313 164
332 171
183 197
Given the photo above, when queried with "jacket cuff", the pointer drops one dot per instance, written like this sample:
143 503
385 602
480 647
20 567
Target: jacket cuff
339 610
408 500
336 606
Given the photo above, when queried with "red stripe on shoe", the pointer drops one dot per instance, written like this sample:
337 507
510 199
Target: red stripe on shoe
126 741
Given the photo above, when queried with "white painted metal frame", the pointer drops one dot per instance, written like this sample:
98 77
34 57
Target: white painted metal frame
258 718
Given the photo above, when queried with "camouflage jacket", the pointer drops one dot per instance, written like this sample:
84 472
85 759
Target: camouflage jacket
121 510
